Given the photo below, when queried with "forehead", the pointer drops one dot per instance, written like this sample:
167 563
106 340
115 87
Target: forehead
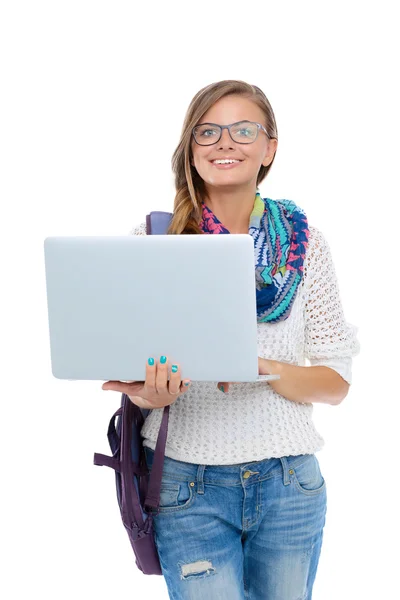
231 109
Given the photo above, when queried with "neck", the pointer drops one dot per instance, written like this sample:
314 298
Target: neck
232 207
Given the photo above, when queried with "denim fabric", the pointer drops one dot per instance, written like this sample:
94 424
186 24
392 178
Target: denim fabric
246 531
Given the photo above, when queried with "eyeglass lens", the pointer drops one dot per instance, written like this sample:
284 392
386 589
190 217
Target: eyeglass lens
243 133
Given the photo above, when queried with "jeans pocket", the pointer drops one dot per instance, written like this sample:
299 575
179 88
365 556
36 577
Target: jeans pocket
175 496
307 476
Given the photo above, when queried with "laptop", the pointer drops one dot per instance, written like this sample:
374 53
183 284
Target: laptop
115 301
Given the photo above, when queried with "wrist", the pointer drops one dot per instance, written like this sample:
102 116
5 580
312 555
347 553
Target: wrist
272 367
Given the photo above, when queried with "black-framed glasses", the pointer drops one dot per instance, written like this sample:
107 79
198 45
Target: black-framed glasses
242 132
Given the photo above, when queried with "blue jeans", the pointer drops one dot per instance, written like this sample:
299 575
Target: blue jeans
246 531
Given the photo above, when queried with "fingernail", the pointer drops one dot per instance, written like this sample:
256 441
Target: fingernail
187 382
163 360
174 368
151 361
221 387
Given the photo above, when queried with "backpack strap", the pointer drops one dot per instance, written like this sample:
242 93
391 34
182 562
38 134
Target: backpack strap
157 222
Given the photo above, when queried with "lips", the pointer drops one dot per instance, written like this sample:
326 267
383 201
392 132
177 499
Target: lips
235 159
226 166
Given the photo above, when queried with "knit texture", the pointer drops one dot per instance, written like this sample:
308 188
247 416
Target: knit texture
252 422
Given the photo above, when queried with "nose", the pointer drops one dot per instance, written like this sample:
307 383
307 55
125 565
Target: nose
226 140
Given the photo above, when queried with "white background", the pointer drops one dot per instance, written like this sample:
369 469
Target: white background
80 82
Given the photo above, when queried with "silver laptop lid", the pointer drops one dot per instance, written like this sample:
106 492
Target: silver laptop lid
114 301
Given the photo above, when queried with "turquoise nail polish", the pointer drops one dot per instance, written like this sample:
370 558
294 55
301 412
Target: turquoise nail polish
174 368
151 361
221 387
163 360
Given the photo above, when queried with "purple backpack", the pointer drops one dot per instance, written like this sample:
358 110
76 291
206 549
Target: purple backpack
138 490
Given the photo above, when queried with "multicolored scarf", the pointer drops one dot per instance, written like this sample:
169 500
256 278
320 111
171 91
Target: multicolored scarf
280 232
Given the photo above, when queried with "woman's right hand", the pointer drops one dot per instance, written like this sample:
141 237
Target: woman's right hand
156 391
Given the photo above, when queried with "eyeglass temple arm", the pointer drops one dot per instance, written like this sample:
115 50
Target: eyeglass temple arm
263 128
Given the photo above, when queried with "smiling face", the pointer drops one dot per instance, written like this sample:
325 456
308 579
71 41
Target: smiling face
227 110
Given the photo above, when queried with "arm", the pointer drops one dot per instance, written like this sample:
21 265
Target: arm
328 383
307 384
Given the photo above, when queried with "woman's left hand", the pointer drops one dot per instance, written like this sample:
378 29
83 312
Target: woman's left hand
263 369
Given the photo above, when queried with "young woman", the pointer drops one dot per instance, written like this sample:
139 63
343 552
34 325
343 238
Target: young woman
243 500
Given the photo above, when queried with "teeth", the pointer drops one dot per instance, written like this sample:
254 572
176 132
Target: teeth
224 162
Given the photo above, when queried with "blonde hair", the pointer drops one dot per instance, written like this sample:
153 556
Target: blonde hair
190 190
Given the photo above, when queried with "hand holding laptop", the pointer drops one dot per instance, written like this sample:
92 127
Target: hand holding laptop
263 369
156 391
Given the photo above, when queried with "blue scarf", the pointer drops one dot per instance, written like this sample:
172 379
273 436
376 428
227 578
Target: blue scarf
280 232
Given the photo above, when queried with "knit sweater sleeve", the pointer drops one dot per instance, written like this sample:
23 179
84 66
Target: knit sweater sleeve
329 339
139 229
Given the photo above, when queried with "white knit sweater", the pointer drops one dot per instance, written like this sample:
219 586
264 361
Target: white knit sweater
252 422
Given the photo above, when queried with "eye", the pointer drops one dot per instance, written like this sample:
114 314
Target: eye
245 131
248 130
208 132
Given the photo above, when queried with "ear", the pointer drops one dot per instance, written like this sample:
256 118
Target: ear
272 146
